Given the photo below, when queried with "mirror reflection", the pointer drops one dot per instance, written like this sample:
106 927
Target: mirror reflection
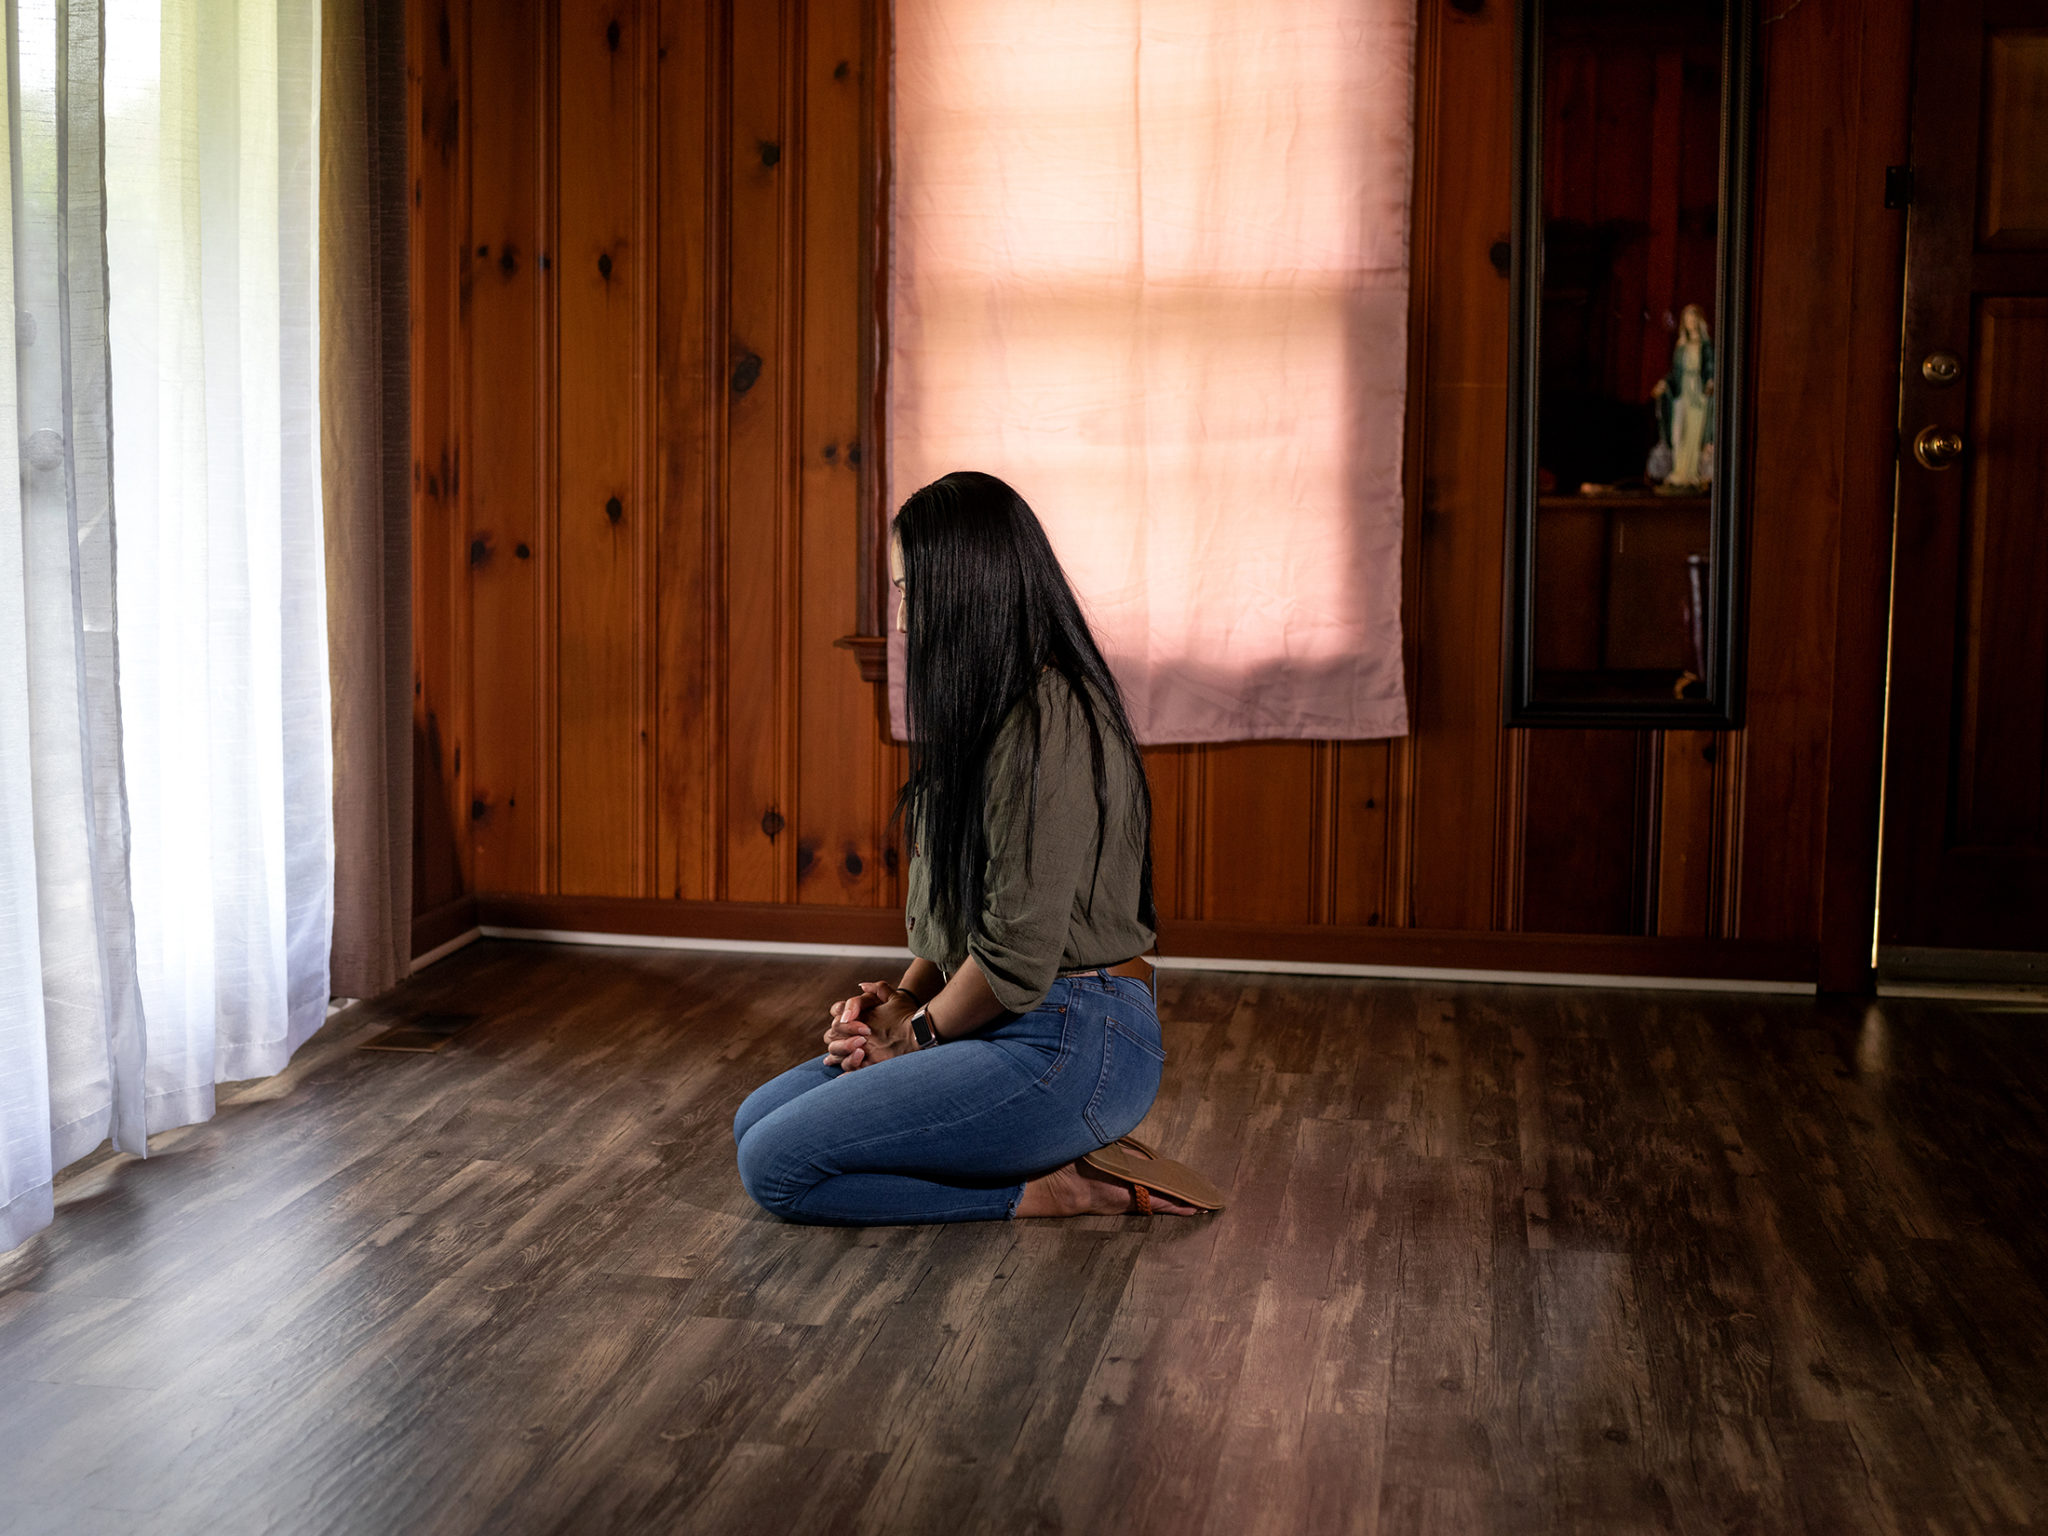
1621 534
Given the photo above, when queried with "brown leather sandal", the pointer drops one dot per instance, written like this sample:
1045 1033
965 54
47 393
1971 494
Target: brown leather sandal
1130 1161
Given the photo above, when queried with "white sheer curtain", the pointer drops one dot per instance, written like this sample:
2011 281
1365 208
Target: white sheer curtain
1149 263
71 1021
166 857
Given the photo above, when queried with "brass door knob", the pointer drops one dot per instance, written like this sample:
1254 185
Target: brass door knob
1938 447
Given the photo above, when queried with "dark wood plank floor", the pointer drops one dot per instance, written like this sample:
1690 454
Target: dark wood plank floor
1499 1260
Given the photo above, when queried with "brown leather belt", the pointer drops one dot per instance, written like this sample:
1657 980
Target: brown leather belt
1138 968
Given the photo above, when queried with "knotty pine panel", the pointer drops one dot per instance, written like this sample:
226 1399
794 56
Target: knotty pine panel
442 848
1453 610
1583 852
759 527
1257 824
1164 771
1358 841
506 463
602 515
1807 210
689 388
839 857
1692 795
651 706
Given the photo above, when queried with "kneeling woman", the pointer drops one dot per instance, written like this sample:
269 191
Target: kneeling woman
1002 1075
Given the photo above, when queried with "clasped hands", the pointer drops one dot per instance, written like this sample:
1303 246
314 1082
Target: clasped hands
870 1027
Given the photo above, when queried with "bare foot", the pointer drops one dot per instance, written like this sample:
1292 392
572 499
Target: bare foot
1078 1190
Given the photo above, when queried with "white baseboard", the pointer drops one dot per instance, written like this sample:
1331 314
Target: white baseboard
1166 962
727 946
1489 978
443 951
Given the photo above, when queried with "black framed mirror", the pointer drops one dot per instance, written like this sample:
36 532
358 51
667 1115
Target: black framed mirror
1626 397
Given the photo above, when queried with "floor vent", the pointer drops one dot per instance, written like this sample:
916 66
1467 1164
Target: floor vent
428 1032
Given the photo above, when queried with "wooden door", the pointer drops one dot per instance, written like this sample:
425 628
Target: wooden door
1965 858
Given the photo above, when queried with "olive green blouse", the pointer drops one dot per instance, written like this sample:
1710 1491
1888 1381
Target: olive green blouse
1054 912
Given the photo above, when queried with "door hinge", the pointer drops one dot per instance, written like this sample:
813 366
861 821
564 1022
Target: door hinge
1898 185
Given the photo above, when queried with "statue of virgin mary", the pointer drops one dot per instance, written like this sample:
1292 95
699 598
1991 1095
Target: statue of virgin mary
1683 459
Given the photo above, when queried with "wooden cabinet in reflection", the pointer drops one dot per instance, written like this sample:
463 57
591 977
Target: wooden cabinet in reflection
1618 583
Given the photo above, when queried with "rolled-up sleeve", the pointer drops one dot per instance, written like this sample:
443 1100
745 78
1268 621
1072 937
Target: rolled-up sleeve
1028 902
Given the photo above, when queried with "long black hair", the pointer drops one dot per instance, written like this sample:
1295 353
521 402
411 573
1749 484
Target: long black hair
988 611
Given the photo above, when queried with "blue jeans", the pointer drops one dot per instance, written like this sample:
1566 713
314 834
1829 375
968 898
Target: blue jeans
952 1133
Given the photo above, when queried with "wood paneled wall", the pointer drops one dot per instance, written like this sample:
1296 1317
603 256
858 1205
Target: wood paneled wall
638 249
640 262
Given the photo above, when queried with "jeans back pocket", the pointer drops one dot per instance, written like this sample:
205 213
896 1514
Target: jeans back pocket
1132 1061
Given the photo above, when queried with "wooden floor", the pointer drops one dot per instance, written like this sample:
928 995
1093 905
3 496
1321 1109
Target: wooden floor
1499 1260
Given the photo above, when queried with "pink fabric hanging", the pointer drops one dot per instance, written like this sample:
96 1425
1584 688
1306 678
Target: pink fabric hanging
1149 263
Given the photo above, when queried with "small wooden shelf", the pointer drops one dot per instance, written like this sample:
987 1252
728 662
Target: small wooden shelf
870 654
1623 503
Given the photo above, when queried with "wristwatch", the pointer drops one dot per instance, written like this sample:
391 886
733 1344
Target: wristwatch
921 1028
